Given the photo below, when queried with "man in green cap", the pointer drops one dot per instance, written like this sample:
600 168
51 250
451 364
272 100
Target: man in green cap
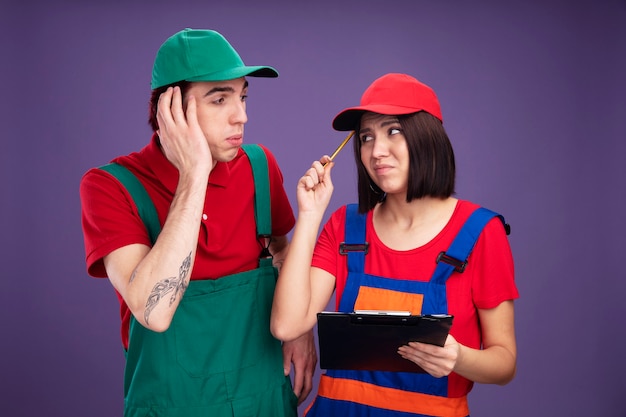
190 230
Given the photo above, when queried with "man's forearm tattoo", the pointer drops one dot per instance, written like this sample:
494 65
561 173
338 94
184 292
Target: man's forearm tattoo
166 286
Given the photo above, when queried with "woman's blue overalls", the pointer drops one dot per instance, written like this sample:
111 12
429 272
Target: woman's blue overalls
349 393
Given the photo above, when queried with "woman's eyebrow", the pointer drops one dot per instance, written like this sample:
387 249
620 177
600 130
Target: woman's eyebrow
390 122
384 123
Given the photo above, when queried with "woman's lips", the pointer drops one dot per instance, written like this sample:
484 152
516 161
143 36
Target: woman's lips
382 169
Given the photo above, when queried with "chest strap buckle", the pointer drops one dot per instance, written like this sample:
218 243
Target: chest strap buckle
345 248
458 265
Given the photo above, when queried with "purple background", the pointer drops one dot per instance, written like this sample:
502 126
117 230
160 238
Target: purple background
533 98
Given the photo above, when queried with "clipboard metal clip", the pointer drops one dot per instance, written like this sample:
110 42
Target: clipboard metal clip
345 248
458 265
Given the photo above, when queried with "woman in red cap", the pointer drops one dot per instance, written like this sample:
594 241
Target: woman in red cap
416 240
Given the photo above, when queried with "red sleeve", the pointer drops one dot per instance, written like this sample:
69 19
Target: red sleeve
283 218
326 254
109 219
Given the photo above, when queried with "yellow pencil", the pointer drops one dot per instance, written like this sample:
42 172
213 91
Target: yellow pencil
340 147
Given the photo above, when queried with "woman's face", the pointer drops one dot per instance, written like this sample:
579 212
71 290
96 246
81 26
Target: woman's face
384 152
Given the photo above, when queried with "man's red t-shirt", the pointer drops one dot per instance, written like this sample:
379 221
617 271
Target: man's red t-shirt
227 242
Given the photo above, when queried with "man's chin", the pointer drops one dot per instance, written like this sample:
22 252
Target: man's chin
227 156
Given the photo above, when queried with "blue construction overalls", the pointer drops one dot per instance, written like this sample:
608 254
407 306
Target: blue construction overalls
348 393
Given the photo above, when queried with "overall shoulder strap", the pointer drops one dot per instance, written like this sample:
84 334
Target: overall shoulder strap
354 244
262 203
455 258
140 196
262 200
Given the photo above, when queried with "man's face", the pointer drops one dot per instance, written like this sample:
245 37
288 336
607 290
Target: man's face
221 110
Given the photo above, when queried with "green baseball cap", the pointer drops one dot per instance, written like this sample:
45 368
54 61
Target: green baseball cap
201 55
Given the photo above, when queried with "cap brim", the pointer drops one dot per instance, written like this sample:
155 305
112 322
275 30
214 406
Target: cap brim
238 72
348 118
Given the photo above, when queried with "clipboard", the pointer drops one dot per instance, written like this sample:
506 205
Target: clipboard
369 340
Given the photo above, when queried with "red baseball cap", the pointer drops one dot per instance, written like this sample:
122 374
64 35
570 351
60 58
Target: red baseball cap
391 94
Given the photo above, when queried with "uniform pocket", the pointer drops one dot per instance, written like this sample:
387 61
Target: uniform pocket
212 328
